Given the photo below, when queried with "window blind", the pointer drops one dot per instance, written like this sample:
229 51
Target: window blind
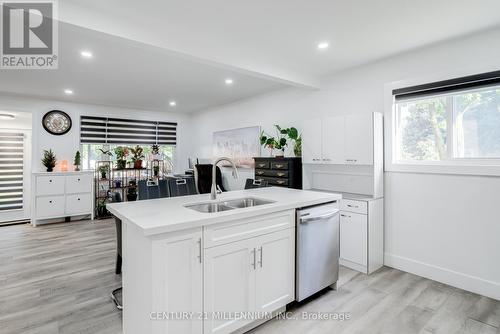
448 86
104 130
11 171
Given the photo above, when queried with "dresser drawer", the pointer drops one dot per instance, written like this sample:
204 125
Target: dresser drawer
279 173
50 185
78 183
262 172
223 233
279 165
262 164
78 203
50 206
354 206
275 181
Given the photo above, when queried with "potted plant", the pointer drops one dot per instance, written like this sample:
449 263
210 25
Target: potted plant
105 154
155 152
77 161
137 156
104 171
132 191
294 135
49 160
278 143
121 157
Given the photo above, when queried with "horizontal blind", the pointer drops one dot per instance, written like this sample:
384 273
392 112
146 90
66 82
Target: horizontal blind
448 86
11 170
104 130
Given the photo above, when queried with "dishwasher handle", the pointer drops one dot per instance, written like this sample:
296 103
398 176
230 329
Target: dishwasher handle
316 218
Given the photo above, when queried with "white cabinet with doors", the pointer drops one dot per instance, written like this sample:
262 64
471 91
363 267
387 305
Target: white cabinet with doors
251 275
362 233
210 278
345 139
62 194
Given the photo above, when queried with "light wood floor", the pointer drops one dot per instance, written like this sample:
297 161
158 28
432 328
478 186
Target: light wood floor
57 279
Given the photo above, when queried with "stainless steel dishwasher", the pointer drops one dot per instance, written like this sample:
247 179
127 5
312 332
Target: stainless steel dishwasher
318 247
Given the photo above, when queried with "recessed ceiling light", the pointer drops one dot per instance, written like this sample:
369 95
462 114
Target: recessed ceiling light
68 92
7 116
323 45
229 81
86 54
172 103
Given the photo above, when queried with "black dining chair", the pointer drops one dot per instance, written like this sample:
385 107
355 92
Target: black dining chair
252 184
117 197
151 189
181 186
203 178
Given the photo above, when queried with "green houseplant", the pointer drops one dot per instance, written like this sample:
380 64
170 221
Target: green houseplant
104 171
121 157
137 156
49 160
77 161
294 135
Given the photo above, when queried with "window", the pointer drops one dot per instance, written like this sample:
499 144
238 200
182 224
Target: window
108 133
91 154
454 122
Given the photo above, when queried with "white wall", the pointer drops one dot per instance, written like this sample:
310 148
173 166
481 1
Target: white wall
440 226
66 145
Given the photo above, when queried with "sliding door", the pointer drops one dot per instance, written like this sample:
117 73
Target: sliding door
15 176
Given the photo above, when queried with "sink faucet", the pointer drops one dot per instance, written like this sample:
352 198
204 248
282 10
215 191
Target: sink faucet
213 193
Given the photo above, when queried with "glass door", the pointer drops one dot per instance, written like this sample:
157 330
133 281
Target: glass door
15 176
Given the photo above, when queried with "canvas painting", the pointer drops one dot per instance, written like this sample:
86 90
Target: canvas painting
241 145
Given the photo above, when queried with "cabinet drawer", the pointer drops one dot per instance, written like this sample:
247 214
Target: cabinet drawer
50 185
261 172
262 164
354 237
247 228
78 184
50 206
78 203
279 173
275 181
354 206
279 165
271 173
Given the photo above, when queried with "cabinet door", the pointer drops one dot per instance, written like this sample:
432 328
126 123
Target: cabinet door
229 285
333 140
275 275
311 141
177 282
354 238
359 139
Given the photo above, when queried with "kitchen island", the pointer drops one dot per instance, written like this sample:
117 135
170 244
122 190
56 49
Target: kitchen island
186 271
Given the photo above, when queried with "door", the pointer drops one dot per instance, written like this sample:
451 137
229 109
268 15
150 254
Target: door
15 176
229 285
275 273
354 237
333 140
177 259
359 139
311 141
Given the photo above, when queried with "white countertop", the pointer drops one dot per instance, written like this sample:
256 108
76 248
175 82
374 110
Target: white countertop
359 197
169 214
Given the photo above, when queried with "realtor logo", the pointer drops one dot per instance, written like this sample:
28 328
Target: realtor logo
29 35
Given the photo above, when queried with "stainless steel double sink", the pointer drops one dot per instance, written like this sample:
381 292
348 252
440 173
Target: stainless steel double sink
231 204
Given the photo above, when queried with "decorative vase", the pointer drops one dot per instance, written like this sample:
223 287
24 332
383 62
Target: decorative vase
121 164
77 168
138 164
50 169
280 154
118 183
103 175
131 197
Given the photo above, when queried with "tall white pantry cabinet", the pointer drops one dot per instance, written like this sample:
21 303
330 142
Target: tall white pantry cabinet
344 154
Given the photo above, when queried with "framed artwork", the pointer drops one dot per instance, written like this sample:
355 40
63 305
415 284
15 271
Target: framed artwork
241 145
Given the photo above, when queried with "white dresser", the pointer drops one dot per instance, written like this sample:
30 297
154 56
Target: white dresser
62 194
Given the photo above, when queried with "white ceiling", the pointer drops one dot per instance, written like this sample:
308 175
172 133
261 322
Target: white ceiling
130 74
151 51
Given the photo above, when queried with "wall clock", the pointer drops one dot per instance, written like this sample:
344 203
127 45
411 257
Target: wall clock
56 122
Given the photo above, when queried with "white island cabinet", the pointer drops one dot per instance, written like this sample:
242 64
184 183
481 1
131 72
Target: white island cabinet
191 272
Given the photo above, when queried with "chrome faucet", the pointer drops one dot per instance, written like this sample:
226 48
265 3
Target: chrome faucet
214 191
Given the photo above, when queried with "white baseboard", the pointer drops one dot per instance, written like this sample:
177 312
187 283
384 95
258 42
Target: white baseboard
460 280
